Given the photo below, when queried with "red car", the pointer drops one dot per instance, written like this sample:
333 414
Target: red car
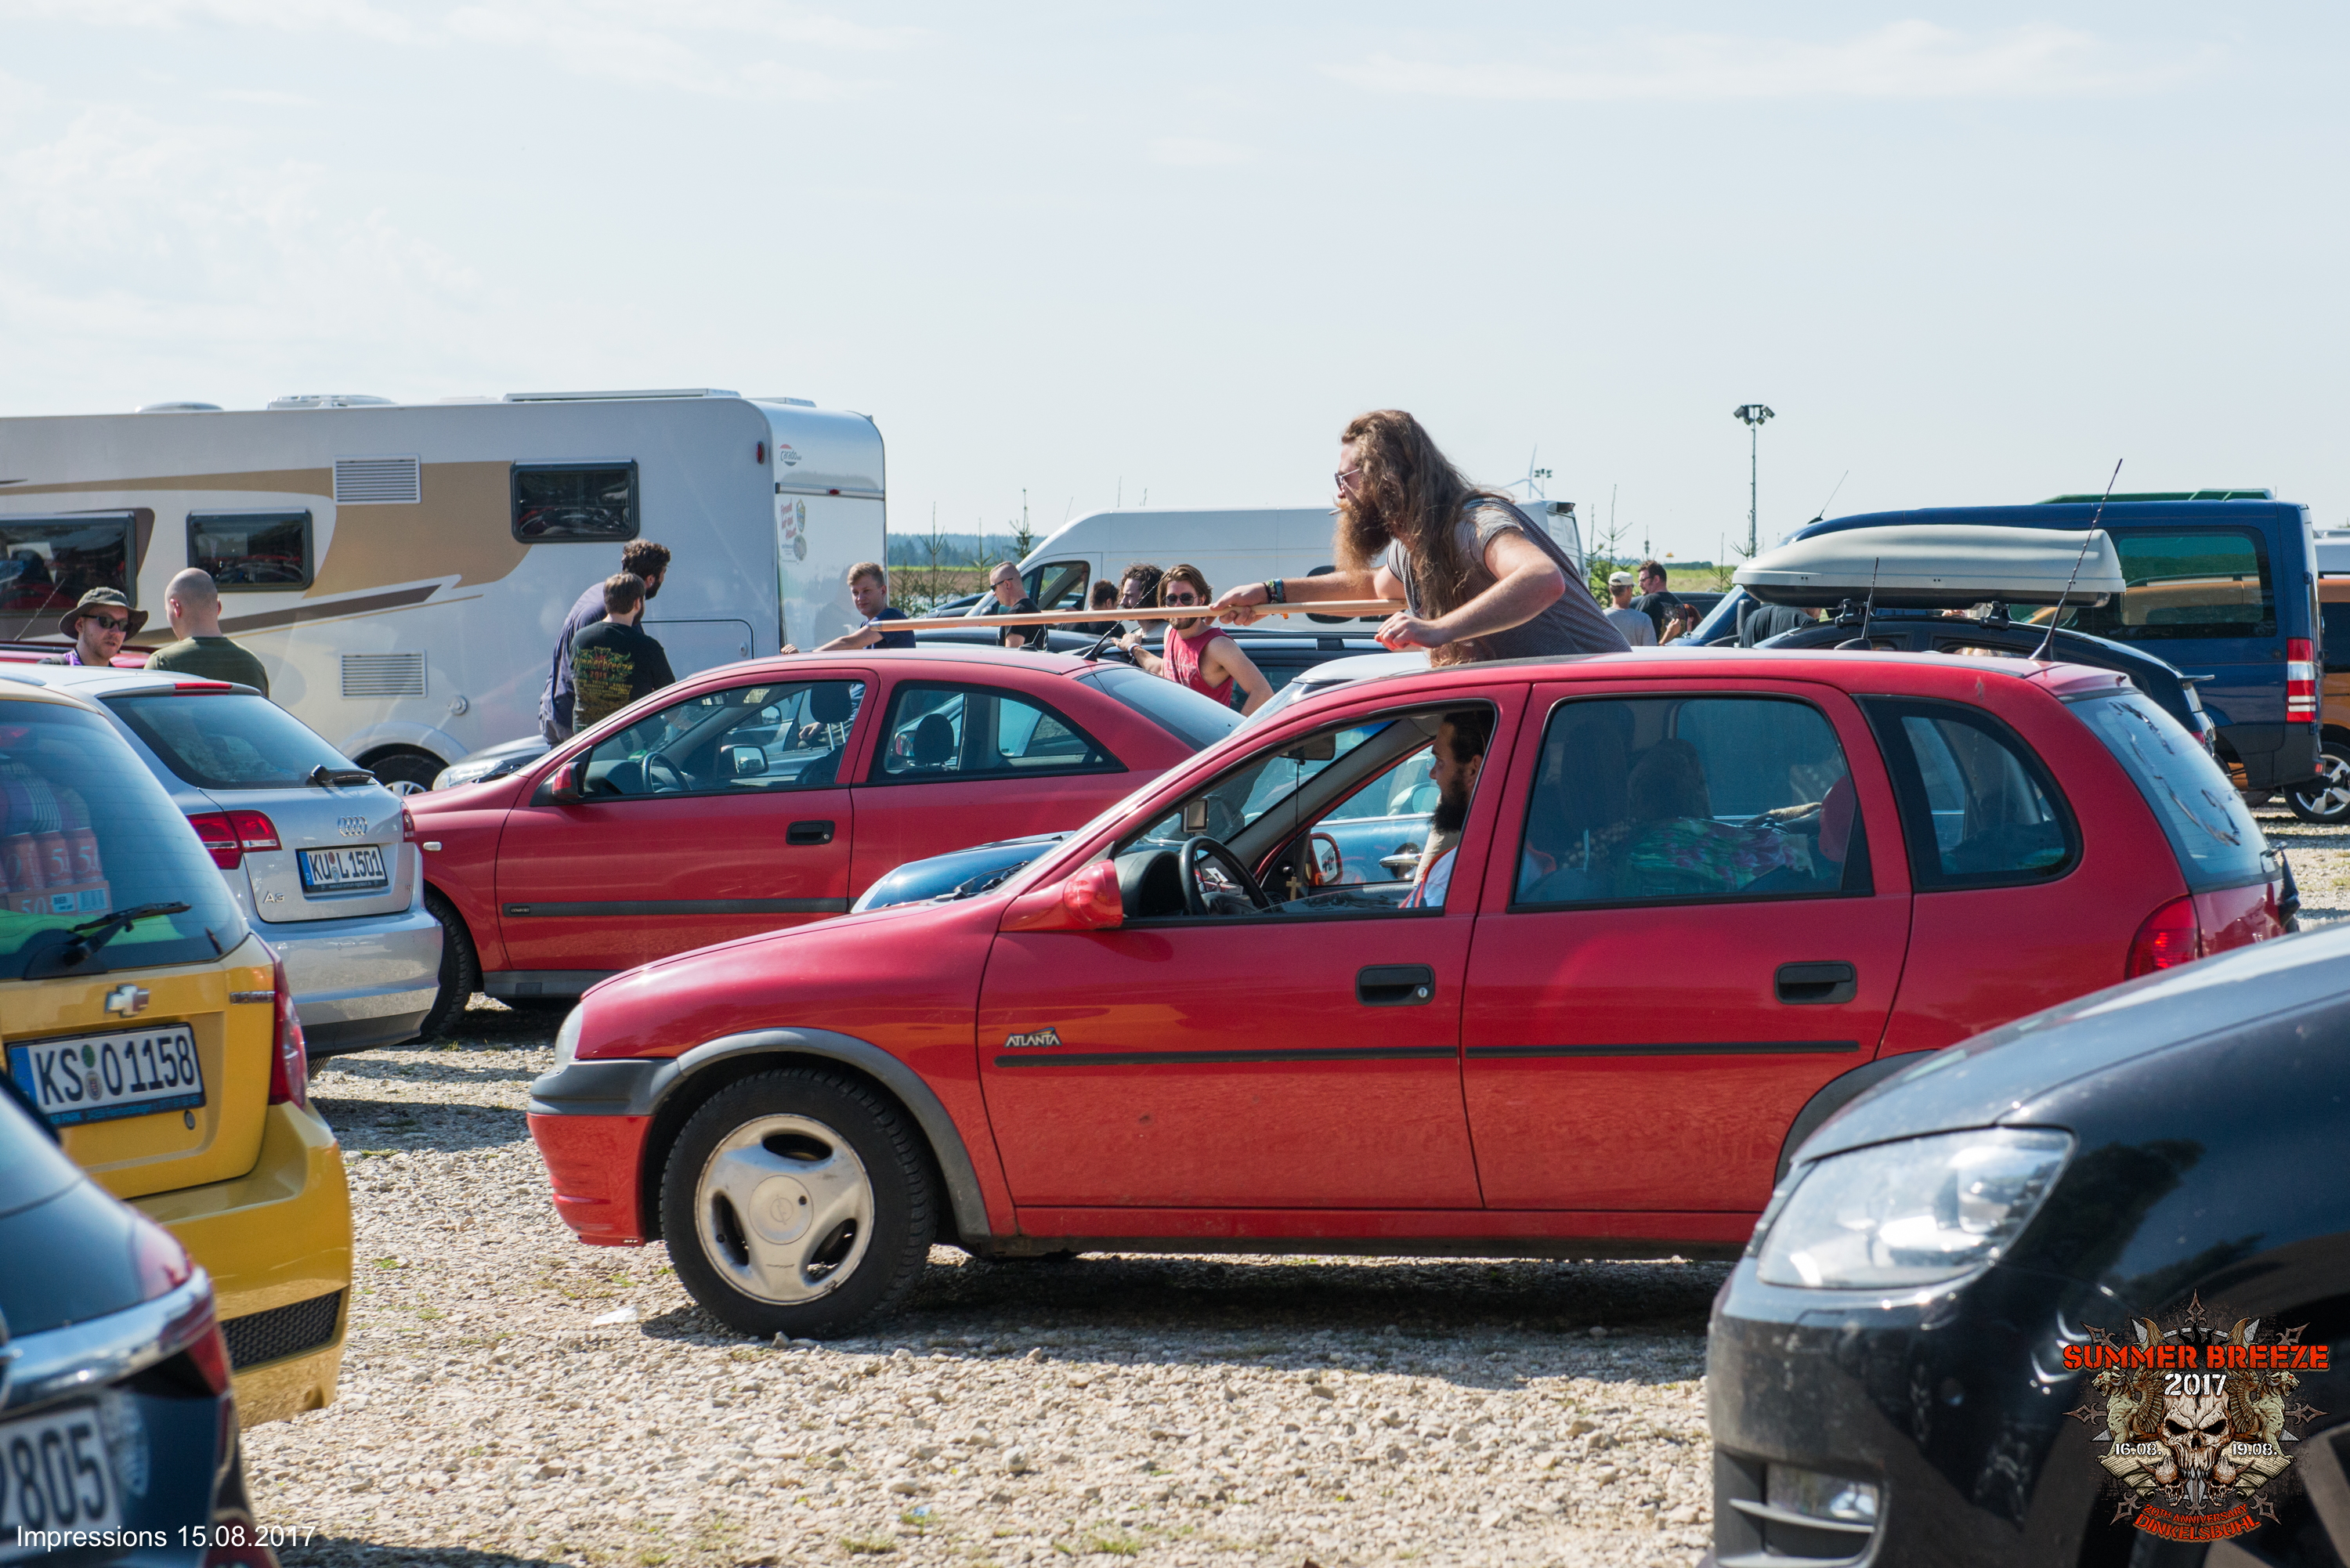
771 793
1694 905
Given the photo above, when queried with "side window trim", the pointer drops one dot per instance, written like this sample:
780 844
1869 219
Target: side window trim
860 686
253 519
1885 715
876 767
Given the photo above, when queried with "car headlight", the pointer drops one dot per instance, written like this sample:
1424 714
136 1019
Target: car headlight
1911 1213
566 1039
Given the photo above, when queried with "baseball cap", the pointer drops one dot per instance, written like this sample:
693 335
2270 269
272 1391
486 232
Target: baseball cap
1622 580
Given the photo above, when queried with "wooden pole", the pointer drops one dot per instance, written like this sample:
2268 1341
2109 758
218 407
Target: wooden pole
1347 607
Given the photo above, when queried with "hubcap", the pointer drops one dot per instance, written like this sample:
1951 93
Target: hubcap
2330 795
784 1209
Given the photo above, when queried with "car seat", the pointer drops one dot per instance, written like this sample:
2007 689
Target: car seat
933 743
828 703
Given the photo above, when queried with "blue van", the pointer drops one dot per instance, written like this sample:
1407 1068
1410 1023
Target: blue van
2223 584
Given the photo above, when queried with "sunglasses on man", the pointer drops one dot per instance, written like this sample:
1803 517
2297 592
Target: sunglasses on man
110 622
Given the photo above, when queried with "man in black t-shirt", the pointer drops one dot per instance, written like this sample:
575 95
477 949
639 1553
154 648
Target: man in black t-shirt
612 662
1012 598
1656 600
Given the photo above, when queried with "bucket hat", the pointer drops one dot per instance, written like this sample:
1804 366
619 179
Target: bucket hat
102 599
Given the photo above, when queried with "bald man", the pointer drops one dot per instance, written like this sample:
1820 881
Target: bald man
192 601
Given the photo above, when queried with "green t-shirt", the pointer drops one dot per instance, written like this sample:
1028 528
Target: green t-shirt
214 657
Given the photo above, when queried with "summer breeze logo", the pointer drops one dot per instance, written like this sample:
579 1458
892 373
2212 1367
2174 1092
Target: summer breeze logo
2195 1419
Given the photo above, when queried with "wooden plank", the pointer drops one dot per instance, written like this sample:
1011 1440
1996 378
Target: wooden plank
1350 607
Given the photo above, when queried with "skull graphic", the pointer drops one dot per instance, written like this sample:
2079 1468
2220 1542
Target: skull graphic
2195 1430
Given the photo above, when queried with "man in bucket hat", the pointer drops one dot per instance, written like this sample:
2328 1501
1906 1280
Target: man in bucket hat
97 625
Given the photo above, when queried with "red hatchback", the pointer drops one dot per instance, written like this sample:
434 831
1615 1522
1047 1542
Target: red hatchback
1676 911
770 793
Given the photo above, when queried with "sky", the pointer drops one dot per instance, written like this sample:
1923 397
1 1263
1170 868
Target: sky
1106 252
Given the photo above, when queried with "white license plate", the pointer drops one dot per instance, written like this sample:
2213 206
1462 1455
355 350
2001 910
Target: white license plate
99 1078
55 1474
334 870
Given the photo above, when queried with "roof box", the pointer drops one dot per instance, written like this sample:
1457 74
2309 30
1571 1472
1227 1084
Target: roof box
1931 565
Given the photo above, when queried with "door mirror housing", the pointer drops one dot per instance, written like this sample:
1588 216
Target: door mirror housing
1087 901
563 789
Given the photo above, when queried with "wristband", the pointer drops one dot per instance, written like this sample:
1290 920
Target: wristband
1273 591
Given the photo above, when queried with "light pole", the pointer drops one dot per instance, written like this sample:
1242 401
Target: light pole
1752 415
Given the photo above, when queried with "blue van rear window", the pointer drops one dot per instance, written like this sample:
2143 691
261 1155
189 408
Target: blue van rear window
2193 583
2218 843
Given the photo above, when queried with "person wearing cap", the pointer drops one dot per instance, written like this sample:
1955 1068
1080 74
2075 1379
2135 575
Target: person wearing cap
1637 629
98 626
192 599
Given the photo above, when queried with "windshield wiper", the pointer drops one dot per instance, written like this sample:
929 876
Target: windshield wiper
82 942
322 775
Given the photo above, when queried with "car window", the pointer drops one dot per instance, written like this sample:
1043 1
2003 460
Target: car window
1977 807
86 832
228 741
1196 721
2211 830
2188 584
1701 798
2334 621
778 735
1269 781
936 731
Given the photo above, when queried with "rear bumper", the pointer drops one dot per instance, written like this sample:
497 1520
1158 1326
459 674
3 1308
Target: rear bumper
275 1240
362 981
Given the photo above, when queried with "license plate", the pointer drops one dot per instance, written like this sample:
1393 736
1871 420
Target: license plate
335 871
55 1474
100 1078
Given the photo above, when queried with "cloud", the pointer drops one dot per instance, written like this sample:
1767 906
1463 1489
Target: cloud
1904 60
1194 152
268 98
279 16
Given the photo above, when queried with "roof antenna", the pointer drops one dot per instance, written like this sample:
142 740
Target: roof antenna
2053 615
1821 513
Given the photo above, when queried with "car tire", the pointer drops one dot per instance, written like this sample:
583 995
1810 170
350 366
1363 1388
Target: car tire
2324 801
461 969
404 770
841 1177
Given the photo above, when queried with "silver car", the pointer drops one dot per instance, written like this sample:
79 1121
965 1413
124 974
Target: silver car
314 850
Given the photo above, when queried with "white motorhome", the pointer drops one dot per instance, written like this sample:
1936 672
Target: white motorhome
402 569
1230 544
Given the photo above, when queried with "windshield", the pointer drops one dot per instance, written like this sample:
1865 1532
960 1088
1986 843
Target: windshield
228 741
1268 780
86 831
2216 840
1721 620
1198 721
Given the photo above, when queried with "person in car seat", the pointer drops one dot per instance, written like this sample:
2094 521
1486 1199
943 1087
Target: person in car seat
1674 844
1458 753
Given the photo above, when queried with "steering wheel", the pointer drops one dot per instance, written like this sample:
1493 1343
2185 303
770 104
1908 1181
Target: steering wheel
1195 898
656 766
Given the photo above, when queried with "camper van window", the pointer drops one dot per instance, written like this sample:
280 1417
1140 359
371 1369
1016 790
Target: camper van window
2204 583
250 552
561 502
46 564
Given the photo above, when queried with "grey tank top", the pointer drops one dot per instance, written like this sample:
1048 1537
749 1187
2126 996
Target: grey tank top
1570 624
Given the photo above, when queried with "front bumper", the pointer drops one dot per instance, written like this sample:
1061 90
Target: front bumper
1951 1402
359 982
277 1243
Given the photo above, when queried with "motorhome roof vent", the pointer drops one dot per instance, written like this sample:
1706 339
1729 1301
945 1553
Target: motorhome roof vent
795 402
383 675
331 400
613 397
379 481
177 408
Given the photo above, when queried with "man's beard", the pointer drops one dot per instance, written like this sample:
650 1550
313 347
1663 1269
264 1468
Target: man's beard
652 589
1452 813
1363 538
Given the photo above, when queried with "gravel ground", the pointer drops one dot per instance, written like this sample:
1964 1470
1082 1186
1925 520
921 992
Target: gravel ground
511 1397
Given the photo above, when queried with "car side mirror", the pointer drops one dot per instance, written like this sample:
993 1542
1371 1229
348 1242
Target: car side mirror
563 789
1088 900
746 762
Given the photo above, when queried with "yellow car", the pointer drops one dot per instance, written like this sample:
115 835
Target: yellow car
155 1031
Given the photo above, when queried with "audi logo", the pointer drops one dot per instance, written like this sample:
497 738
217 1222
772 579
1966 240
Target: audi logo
351 826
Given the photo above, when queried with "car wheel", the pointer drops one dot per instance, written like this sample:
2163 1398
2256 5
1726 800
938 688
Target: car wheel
404 770
2326 799
798 1202
461 969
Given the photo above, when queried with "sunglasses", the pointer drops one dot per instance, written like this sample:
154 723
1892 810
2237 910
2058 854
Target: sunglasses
109 622
1172 601
1345 478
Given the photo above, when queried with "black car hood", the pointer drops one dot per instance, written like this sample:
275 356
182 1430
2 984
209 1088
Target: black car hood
2002 1075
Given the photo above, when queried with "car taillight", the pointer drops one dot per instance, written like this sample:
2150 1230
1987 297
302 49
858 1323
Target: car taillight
2300 680
229 834
2170 937
289 1056
408 833
162 1263
209 1356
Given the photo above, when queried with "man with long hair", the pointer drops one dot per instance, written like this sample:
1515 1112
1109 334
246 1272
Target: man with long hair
1195 653
1478 577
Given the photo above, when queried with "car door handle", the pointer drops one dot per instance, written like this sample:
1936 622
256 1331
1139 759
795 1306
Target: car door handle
1816 984
808 833
1395 985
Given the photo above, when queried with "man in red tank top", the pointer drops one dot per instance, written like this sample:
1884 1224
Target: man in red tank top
1196 654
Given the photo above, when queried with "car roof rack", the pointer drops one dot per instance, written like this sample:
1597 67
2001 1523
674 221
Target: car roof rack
2240 494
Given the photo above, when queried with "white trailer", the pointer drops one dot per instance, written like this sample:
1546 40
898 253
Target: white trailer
1230 544
403 568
